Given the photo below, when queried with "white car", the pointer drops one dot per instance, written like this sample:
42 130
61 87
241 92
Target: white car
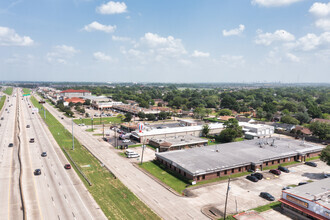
126 141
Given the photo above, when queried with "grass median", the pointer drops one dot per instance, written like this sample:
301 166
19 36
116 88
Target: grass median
114 198
2 101
26 91
98 121
9 90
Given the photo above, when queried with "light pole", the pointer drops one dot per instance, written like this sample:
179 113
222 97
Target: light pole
92 124
72 136
103 131
228 187
143 147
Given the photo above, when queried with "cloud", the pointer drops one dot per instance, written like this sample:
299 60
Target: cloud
232 61
269 38
312 42
8 37
320 9
197 53
112 8
323 23
61 53
236 31
102 57
95 26
116 38
292 57
274 3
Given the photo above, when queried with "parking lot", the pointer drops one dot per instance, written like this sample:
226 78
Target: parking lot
245 193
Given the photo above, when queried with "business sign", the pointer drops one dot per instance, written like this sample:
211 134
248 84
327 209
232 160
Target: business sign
297 201
36 110
26 94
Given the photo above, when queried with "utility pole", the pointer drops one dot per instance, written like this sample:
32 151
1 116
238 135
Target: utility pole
44 113
143 146
103 130
228 187
72 136
92 124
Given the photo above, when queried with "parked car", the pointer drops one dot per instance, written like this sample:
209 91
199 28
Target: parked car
252 178
28 126
283 169
257 175
267 196
44 154
1 118
276 172
287 187
326 175
312 164
126 141
302 183
37 172
10 145
131 154
67 166
31 140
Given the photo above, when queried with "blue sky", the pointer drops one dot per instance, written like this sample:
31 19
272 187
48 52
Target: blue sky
165 41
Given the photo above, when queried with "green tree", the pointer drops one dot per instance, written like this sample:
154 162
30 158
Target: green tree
128 117
208 111
289 120
226 135
162 115
205 130
150 117
322 130
142 115
325 155
302 117
120 116
87 102
223 112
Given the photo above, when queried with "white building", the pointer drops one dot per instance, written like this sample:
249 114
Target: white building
252 131
69 93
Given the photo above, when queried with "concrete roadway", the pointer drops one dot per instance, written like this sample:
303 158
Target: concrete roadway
160 200
56 188
10 199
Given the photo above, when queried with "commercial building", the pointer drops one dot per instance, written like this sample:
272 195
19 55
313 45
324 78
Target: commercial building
253 131
213 161
178 143
309 201
69 93
134 109
74 100
147 134
187 122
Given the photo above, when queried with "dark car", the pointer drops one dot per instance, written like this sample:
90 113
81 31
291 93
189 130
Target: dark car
11 145
312 164
276 172
44 154
252 178
67 166
302 183
31 140
283 169
267 196
37 172
28 126
258 175
287 187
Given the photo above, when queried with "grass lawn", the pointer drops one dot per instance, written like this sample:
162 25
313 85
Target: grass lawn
97 121
239 139
2 101
26 90
313 158
223 178
90 129
267 207
282 164
211 142
114 198
9 90
167 176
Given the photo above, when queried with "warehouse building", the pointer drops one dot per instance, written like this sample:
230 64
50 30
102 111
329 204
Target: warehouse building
254 131
178 143
69 93
147 134
310 201
213 161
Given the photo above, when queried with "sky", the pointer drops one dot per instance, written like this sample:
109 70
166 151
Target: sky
182 41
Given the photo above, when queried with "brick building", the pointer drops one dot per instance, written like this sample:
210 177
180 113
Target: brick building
210 162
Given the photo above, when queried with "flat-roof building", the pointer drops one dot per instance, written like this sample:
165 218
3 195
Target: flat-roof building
253 131
309 201
75 93
178 143
213 161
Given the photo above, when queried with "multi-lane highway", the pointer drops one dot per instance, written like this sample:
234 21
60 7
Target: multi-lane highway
55 194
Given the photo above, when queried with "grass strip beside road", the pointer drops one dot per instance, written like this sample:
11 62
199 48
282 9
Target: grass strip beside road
98 121
312 158
2 101
26 91
9 91
267 207
114 198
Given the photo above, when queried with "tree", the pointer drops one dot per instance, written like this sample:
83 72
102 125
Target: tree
314 111
71 104
128 117
325 155
199 112
87 102
142 115
322 130
162 115
223 112
289 120
232 130
150 117
205 130
120 116
302 117
208 111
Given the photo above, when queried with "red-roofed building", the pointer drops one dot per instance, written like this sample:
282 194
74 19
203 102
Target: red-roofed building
75 93
74 100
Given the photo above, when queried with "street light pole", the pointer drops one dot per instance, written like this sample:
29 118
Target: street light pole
143 146
228 187
72 136
103 130
92 124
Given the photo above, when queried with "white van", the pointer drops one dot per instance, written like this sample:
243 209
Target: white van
131 154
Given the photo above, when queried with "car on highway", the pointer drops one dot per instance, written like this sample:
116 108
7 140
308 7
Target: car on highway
267 196
283 169
28 126
67 166
302 183
31 140
252 178
10 145
257 175
44 154
37 172
312 164
276 172
1 118
32 113
326 175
